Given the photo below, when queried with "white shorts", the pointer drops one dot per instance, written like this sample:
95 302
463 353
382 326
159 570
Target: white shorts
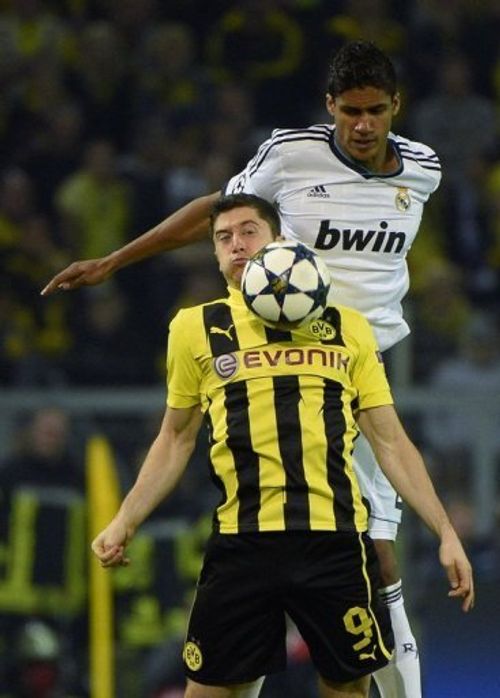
385 504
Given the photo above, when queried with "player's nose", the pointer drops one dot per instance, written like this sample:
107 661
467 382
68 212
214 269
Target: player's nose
363 125
238 242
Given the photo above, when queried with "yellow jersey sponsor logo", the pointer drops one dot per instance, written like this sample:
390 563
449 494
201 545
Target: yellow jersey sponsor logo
295 357
226 365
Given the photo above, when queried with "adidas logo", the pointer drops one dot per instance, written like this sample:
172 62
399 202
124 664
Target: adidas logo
319 192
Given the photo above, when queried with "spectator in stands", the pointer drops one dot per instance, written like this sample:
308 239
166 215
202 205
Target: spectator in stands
475 369
99 82
34 48
171 80
133 18
437 29
109 348
454 97
17 331
369 20
441 310
464 152
259 44
36 667
41 488
17 204
35 336
493 208
45 338
43 454
94 202
232 130
55 152
144 166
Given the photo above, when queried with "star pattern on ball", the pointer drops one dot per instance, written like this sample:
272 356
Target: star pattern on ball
286 282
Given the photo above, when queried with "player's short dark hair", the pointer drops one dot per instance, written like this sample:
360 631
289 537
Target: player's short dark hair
361 64
266 210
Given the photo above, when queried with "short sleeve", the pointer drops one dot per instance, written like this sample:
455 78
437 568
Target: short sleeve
369 375
183 371
262 175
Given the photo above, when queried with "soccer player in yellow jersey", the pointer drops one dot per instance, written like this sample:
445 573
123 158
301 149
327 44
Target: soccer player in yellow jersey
283 408
354 191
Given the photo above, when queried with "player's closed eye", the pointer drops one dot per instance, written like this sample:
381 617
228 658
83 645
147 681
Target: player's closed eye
374 111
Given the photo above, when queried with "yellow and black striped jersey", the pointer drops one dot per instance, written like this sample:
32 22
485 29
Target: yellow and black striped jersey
280 407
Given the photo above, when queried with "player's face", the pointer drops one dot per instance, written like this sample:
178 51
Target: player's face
238 235
363 118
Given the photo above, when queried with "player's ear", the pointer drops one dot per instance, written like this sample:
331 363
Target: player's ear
330 104
396 104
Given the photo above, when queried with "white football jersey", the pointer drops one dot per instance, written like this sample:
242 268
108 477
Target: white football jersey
362 224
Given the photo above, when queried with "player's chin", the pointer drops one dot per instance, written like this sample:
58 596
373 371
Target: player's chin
237 273
363 151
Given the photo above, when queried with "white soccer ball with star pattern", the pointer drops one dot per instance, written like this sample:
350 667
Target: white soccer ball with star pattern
286 283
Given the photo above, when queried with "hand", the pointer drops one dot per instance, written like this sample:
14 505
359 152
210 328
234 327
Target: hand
109 546
87 272
458 570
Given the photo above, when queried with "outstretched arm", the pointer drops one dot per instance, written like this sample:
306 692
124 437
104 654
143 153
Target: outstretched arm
188 224
406 471
162 468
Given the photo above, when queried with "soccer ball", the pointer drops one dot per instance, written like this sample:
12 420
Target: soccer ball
286 283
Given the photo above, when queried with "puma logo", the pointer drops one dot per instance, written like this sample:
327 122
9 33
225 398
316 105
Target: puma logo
219 330
368 655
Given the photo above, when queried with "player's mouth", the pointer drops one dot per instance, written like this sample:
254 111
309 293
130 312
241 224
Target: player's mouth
364 144
239 261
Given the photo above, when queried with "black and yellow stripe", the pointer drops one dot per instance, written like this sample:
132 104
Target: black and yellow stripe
280 443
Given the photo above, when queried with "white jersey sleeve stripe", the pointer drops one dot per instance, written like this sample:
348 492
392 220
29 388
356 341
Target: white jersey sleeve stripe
286 136
430 155
426 164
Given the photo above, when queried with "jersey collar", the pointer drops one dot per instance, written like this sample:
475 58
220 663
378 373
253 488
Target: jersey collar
358 167
235 296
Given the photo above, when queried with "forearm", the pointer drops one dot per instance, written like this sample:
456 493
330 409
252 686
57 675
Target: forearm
163 466
189 224
408 474
186 225
405 469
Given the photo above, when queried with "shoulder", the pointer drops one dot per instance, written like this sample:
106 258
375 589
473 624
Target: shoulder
419 153
420 163
316 131
290 138
351 316
355 327
292 144
192 318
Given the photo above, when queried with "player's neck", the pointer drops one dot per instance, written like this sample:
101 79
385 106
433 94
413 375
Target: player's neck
392 161
388 164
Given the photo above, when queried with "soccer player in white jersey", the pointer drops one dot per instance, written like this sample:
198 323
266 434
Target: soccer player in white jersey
354 192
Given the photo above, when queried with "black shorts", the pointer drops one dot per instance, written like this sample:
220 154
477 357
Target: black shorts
327 584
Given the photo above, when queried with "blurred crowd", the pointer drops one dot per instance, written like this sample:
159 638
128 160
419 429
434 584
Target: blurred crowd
116 112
